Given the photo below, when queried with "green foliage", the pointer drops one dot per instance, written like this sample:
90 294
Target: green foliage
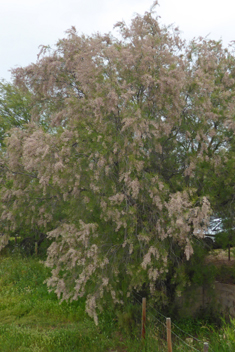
226 274
199 273
14 109
128 319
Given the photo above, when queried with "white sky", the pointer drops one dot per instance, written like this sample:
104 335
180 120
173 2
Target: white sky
26 24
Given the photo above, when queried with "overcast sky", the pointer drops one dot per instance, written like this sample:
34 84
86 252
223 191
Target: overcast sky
26 24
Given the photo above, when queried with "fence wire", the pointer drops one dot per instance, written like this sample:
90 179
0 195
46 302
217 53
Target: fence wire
150 311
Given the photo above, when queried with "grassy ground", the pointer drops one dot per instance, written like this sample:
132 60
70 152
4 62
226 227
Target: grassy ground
31 319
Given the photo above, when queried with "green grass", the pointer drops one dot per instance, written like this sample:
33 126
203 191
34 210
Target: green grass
31 319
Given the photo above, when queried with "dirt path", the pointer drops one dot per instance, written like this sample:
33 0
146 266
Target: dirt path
220 257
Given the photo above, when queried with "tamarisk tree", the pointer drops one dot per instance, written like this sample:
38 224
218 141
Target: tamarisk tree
116 174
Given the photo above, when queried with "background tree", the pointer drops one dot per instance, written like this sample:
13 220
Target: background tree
14 108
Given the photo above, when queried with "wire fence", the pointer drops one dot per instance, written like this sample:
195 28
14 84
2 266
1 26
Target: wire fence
159 329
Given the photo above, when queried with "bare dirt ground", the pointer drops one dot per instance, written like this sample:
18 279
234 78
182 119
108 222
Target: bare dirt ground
220 257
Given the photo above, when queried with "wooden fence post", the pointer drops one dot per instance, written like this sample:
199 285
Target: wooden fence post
206 347
143 317
168 332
